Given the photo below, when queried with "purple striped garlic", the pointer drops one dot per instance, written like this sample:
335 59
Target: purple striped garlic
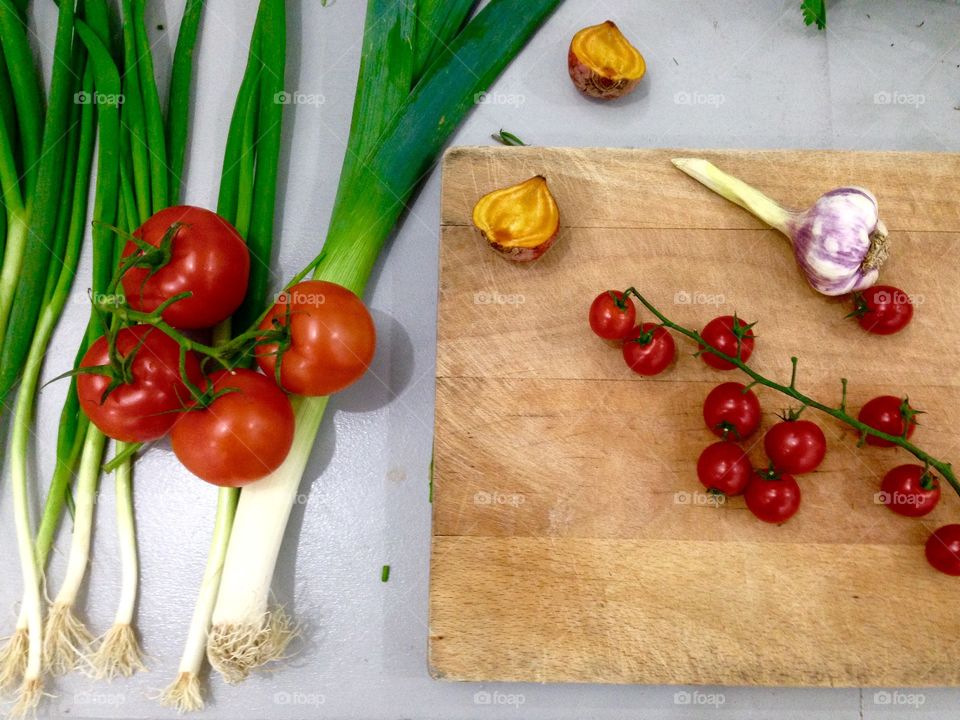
840 242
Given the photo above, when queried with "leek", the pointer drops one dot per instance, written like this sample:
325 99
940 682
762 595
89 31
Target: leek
387 165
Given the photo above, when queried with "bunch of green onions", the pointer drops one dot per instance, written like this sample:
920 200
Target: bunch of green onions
136 150
423 65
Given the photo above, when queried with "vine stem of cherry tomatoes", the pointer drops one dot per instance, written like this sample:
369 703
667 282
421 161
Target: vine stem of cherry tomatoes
840 412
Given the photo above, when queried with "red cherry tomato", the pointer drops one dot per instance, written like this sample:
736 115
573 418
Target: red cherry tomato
649 349
886 413
242 436
910 490
883 309
795 446
772 499
943 549
332 338
725 468
612 316
719 334
732 411
145 408
208 259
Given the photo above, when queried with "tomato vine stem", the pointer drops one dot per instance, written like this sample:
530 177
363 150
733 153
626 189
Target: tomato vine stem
839 413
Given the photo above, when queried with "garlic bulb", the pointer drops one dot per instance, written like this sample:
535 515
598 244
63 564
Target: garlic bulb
840 243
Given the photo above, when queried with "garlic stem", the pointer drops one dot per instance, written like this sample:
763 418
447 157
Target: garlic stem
737 191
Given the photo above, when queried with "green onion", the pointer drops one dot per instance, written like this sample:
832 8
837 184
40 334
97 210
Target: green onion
178 101
246 633
385 573
247 191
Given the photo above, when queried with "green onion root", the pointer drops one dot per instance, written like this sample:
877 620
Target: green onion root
246 633
68 640
119 652
185 693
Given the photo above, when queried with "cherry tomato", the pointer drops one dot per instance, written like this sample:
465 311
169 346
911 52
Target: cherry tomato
732 411
724 467
208 258
943 549
883 309
885 413
910 490
719 334
612 316
773 499
145 407
795 446
242 436
332 338
649 349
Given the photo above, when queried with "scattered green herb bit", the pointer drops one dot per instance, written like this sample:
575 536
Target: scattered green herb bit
507 138
385 573
815 11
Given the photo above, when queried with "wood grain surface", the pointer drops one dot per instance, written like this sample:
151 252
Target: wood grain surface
572 540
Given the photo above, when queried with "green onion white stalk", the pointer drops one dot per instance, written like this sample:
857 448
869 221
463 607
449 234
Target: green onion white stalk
386 160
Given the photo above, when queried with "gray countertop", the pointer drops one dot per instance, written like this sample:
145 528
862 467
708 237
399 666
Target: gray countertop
740 73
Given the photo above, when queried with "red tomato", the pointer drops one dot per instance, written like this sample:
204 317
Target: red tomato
241 436
612 316
910 490
885 413
649 349
208 258
883 309
773 499
795 446
720 335
731 410
724 467
145 407
332 338
943 549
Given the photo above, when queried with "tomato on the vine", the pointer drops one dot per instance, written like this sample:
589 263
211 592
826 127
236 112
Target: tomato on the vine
888 414
197 252
243 435
649 349
773 498
331 338
883 309
795 446
148 391
943 549
724 467
910 490
612 315
731 410
722 333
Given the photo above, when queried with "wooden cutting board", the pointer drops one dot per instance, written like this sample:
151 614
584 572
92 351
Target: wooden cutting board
571 538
